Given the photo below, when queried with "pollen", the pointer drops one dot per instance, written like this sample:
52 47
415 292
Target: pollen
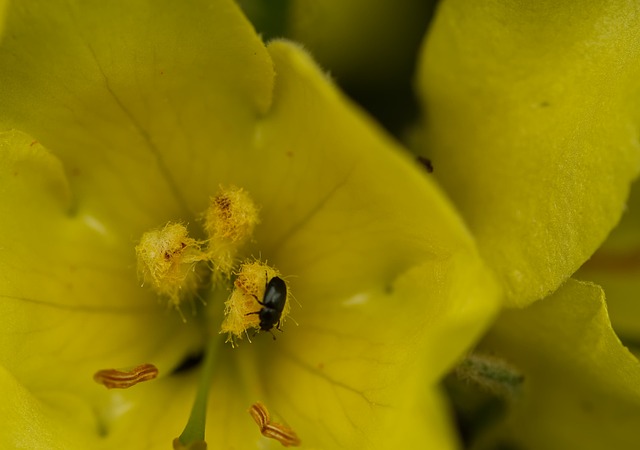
242 309
167 261
229 222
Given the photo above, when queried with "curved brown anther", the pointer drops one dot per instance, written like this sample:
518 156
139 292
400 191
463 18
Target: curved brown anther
122 379
281 433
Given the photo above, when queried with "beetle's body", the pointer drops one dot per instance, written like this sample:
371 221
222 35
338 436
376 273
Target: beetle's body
273 302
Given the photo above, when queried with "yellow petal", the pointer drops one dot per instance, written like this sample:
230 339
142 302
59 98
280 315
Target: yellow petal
3 7
390 287
390 295
616 267
130 97
144 135
69 297
368 46
581 386
55 421
362 366
531 123
152 420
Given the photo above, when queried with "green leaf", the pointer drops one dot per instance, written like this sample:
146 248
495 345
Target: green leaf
531 120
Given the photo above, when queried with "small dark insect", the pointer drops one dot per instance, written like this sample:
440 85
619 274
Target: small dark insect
273 301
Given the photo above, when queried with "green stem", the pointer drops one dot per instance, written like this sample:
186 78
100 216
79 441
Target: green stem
194 430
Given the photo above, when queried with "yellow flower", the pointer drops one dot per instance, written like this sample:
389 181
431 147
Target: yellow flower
117 118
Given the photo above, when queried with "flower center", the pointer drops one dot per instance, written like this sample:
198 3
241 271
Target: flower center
178 267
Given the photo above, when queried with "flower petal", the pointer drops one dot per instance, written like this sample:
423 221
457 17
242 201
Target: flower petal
582 387
151 423
361 368
342 208
390 286
365 43
69 298
368 46
3 7
60 421
390 293
532 128
134 99
158 411
616 267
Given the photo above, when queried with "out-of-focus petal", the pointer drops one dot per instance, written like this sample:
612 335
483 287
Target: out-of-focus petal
531 120
581 385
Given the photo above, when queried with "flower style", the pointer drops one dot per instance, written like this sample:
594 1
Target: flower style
119 118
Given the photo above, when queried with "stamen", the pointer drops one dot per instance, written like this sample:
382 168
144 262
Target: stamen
123 379
260 415
281 433
242 309
229 222
168 261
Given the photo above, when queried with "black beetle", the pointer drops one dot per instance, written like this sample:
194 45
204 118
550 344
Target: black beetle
273 301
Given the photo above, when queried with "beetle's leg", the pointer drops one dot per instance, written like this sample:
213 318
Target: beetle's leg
254 296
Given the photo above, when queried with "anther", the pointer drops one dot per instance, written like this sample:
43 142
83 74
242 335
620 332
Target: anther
167 261
229 222
281 433
258 301
123 379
